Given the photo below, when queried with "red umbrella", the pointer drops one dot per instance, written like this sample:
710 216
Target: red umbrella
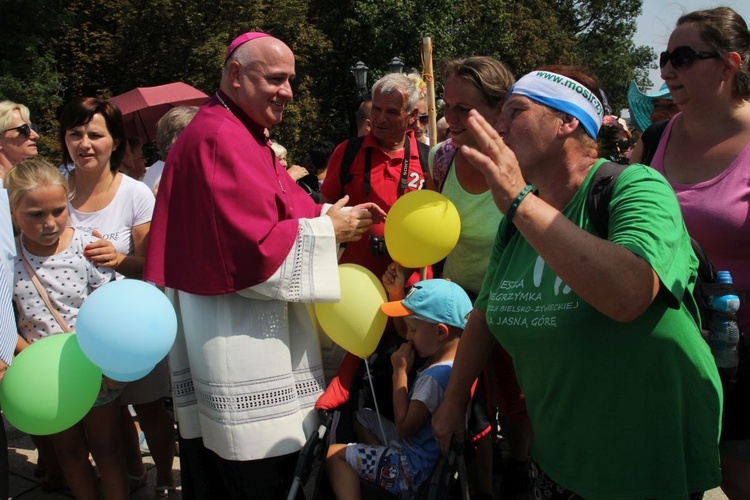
143 106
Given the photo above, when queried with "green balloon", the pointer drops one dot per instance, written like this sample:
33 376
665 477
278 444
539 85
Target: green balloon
50 386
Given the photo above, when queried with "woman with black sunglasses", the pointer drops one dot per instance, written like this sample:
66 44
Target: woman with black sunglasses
704 152
18 135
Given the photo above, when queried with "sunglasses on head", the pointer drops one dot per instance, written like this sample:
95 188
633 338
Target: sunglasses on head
683 57
23 130
424 119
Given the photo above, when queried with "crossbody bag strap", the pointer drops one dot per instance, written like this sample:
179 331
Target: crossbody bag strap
39 288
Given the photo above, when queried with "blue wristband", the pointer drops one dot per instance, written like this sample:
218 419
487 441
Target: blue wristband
514 206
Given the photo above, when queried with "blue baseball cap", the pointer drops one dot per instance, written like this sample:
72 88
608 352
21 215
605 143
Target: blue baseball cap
436 301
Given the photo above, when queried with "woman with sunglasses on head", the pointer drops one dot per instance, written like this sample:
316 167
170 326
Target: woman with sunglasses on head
18 135
704 152
621 390
118 210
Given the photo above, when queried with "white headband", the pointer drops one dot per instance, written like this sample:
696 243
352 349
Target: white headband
563 94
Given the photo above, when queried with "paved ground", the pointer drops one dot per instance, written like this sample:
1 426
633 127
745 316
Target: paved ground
24 485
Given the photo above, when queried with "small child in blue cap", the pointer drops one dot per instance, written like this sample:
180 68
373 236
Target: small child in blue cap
435 312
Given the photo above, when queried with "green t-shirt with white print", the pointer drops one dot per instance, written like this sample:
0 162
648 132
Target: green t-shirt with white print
619 410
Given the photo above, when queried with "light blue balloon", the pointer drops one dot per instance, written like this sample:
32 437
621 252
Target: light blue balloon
126 327
127 377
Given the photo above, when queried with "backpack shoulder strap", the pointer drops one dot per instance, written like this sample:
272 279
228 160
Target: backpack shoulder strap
510 230
350 152
650 139
600 194
597 204
423 150
703 286
597 200
442 162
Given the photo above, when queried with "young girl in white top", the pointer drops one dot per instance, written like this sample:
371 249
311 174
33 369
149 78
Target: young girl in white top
54 250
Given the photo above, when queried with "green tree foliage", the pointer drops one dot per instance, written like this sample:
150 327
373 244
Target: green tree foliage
64 48
86 46
29 72
603 31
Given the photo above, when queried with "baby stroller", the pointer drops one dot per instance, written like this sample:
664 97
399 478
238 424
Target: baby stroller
349 391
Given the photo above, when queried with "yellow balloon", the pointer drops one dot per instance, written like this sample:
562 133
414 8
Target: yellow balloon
356 322
422 228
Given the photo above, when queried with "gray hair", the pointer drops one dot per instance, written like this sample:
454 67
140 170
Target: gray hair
242 54
170 125
278 149
398 82
6 113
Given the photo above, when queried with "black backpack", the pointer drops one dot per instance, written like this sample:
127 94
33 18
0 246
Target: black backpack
597 206
352 147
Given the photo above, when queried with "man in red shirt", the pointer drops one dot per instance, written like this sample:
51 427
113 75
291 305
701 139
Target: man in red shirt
385 167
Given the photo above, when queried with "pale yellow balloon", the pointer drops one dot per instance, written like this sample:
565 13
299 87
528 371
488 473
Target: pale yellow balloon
356 322
422 228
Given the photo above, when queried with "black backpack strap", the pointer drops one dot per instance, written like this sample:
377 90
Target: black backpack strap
350 152
706 269
352 147
600 194
650 139
510 229
597 200
423 150
703 286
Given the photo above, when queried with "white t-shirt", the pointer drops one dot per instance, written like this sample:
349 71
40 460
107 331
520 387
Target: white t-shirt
153 174
68 277
132 206
7 254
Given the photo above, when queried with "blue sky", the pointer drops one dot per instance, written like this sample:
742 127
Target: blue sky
659 16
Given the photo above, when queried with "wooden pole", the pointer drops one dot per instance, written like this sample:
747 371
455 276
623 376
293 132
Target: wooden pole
429 80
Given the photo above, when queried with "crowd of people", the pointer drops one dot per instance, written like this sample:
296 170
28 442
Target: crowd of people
587 342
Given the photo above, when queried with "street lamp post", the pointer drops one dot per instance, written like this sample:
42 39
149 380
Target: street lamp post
359 70
395 66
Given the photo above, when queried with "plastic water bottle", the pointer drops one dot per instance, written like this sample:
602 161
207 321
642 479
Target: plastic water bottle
725 334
